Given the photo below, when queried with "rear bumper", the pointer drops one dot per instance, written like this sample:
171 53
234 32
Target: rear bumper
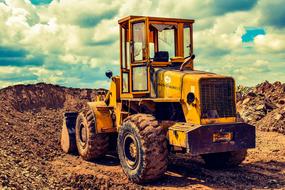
200 139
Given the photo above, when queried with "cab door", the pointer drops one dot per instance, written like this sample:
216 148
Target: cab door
139 69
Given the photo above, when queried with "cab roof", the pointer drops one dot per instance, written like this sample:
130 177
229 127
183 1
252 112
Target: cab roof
155 19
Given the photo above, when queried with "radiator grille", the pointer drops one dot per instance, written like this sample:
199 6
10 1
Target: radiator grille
217 98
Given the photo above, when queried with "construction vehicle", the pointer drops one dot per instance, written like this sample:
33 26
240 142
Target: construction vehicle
159 104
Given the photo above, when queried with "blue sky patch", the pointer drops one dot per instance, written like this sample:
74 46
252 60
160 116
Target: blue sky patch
251 33
41 2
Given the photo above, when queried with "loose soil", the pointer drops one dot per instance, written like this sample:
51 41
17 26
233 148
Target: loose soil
31 157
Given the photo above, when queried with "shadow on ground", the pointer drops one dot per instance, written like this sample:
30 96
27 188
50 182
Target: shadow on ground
185 172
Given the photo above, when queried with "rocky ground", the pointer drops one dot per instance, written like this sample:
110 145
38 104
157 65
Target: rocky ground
263 106
31 158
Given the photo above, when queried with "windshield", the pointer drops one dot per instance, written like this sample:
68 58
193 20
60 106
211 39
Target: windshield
166 41
163 39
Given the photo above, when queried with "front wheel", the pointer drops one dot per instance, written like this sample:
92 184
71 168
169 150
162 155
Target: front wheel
89 144
224 159
142 148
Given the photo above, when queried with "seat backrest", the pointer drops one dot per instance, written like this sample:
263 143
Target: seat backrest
161 56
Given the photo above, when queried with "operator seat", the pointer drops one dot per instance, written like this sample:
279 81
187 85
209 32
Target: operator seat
161 56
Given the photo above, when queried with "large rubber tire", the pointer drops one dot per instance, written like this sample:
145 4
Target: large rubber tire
89 144
150 157
224 159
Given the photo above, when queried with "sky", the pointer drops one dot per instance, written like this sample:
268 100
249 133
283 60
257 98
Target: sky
73 43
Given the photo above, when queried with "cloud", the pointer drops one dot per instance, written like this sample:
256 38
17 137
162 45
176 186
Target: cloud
203 9
273 13
270 43
91 20
12 52
12 74
224 6
11 56
87 13
73 43
29 60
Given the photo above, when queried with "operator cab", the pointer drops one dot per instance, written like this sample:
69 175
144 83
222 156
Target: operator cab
151 42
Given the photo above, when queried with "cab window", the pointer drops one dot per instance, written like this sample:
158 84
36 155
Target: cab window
162 40
187 40
139 41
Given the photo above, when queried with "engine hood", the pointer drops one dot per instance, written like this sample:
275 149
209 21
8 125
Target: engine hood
208 89
170 83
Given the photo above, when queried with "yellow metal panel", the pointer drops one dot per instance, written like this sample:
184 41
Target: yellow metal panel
153 99
104 123
218 120
114 92
173 84
126 96
177 134
169 84
118 113
177 138
191 111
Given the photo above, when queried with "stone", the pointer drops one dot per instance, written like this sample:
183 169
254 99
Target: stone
260 107
278 117
282 101
270 105
252 94
246 100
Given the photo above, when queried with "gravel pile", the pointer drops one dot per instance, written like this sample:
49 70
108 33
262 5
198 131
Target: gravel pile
31 157
30 124
263 106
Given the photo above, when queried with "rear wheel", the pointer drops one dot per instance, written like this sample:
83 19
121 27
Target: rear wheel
89 144
142 148
224 159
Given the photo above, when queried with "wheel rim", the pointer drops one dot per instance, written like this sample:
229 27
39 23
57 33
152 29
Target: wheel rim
131 151
83 135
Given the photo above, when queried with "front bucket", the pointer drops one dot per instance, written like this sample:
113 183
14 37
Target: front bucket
68 142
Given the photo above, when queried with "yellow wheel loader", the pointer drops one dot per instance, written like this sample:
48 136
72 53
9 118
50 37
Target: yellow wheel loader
159 104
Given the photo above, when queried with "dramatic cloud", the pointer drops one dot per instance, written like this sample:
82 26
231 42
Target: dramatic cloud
73 43
273 13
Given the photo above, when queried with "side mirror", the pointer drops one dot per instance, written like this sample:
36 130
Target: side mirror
109 74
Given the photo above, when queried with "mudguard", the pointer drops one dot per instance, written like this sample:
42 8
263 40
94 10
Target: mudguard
103 118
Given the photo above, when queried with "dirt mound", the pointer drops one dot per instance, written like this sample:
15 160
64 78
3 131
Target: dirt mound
31 157
34 97
263 106
30 124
